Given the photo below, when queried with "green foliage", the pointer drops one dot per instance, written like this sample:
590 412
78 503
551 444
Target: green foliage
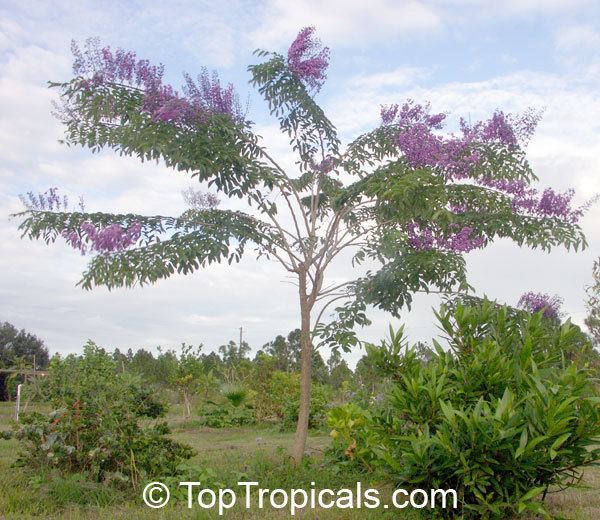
503 417
319 405
219 151
226 415
300 117
354 440
235 393
94 427
592 320
339 333
21 346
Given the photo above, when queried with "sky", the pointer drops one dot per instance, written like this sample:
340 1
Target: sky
467 57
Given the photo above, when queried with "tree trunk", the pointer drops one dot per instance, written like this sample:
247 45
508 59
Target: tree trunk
305 374
187 408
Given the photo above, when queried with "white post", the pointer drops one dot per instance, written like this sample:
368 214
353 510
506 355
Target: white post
18 402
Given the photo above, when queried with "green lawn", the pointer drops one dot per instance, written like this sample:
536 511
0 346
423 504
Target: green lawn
246 453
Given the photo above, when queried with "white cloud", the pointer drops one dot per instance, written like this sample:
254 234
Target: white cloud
467 9
577 37
343 23
578 48
397 78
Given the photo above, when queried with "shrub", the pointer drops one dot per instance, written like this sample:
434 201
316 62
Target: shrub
501 418
236 394
354 437
94 427
319 406
279 397
226 415
272 390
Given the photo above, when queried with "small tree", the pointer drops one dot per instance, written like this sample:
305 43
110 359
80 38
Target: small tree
592 321
99 424
339 371
187 375
234 358
404 196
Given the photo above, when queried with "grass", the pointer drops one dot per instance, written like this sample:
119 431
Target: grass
226 456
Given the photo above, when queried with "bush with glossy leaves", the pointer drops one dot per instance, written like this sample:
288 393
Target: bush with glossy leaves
503 417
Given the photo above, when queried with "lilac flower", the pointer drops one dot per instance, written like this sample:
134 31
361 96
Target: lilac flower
499 129
552 204
422 147
103 65
457 240
325 166
97 66
50 200
199 200
458 156
454 155
109 239
308 60
208 95
89 237
535 302
389 113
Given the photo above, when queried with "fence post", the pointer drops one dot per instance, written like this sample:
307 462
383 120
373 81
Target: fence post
18 402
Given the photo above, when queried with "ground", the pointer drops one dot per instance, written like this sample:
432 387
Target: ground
257 453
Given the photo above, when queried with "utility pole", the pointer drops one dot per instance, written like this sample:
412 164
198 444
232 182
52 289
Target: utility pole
240 345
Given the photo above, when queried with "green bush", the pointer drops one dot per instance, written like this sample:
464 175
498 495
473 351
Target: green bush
235 393
226 415
320 396
94 427
501 418
354 436
278 397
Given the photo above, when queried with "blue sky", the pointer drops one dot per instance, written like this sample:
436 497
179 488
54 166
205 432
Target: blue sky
467 57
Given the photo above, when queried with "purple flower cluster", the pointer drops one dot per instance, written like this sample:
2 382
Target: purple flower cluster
102 65
458 156
325 166
100 239
50 200
209 94
109 239
308 60
199 200
536 302
458 240
198 101
422 146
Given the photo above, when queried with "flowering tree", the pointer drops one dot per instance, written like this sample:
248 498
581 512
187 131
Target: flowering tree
405 197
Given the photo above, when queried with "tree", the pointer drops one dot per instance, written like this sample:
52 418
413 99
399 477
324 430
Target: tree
280 350
287 354
234 354
285 351
187 375
19 344
234 357
592 321
405 197
339 371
